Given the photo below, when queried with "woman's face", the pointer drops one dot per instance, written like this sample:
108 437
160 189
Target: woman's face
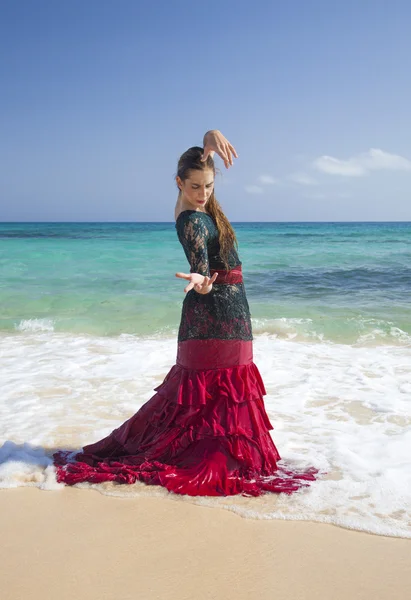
197 188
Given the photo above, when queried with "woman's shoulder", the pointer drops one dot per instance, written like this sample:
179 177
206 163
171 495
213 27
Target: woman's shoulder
191 216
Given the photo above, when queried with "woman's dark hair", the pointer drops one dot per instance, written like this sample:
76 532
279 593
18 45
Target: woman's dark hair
191 161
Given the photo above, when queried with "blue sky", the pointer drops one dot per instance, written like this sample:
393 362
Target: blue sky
99 99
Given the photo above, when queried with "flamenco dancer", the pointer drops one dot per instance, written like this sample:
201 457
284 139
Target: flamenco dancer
205 432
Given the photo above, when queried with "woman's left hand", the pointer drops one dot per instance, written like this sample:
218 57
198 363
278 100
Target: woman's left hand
214 141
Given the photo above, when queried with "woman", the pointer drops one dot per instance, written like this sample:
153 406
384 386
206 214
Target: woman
205 431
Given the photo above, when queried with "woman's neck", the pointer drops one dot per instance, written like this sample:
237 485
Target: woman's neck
181 206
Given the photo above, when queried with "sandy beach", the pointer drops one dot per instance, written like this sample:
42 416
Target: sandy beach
79 544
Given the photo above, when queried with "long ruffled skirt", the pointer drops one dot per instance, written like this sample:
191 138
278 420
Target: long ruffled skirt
205 432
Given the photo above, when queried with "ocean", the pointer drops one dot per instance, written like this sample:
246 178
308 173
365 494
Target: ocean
89 314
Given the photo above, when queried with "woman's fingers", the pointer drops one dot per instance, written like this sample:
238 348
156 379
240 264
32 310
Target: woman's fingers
222 151
191 277
207 152
186 276
205 283
227 154
233 150
215 141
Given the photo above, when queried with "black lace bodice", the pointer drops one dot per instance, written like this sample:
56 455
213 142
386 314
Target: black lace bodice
198 233
224 312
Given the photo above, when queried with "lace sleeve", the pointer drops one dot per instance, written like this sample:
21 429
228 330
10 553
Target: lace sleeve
193 235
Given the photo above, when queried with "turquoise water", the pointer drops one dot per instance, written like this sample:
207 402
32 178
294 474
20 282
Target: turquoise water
346 283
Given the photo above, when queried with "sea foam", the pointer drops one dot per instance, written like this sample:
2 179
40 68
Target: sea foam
343 409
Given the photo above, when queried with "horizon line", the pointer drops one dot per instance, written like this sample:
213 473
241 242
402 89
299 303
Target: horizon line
168 222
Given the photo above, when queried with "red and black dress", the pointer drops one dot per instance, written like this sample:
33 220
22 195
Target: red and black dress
205 432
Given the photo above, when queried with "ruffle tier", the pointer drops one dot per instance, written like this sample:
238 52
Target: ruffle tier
204 433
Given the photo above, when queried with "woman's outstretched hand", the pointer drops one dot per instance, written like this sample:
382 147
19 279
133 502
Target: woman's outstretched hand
214 141
201 283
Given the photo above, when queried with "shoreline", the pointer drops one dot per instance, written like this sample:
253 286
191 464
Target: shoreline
73 543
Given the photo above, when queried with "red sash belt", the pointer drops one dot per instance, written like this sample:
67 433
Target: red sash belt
233 276
214 353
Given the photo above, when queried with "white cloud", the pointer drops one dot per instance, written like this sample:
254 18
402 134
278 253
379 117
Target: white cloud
267 180
362 164
334 166
254 189
302 178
